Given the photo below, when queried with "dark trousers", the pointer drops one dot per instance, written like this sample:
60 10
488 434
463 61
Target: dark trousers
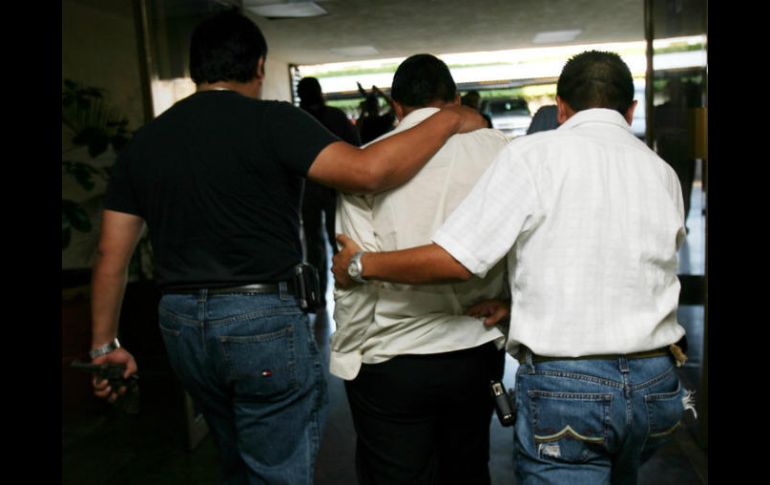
424 419
318 210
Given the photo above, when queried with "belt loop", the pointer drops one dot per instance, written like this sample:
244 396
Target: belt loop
623 364
202 296
527 356
283 290
524 356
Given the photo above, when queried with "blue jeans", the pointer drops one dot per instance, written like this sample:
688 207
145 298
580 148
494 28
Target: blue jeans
251 364
593 421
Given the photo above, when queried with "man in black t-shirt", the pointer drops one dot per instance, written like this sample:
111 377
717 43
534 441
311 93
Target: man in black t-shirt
217 179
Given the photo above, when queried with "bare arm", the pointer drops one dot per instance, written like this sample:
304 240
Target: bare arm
420 265
394 160
119 235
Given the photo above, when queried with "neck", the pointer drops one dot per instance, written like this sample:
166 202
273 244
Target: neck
249 89
217 86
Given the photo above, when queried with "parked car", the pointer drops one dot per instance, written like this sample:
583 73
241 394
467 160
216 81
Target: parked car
509 115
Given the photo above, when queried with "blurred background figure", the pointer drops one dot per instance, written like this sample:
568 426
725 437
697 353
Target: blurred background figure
319 202
673 139
473 100
371 124
545 119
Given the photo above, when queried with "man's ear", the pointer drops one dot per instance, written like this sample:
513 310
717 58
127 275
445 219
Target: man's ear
399 109
261 68
630 112
458 100
564 110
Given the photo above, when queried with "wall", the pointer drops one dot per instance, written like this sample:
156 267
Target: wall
277 83
99 48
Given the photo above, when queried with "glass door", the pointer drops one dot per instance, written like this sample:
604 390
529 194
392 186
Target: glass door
677 107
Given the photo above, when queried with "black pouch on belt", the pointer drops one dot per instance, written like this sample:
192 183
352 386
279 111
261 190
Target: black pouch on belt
505 404
307 286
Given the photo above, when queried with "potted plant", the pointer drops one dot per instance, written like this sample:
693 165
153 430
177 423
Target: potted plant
93 132
88 123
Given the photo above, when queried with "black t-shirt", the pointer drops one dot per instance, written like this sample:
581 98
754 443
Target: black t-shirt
217 178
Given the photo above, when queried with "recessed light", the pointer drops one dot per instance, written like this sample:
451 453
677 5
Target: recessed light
287 9
555 36
354 51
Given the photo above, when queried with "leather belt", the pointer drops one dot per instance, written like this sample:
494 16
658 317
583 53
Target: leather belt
635 355
252 289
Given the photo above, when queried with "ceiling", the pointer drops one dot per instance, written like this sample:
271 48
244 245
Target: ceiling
398 28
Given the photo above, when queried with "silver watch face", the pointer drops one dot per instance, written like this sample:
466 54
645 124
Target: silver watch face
353 270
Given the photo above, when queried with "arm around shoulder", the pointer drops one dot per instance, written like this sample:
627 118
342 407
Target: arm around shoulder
393 160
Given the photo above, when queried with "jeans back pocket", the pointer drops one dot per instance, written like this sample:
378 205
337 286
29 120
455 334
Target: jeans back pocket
569 427
262 365
664 415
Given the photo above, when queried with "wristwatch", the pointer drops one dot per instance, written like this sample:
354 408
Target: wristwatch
104 349
356 268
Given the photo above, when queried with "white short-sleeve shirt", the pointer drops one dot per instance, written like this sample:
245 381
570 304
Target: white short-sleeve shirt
590 220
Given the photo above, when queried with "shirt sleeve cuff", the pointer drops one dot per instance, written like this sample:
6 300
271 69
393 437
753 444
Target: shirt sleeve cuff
460 253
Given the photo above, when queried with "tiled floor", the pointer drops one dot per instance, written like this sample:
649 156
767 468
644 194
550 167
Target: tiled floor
101 445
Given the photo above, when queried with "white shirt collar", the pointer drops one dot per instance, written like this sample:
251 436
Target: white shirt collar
416 117
596 115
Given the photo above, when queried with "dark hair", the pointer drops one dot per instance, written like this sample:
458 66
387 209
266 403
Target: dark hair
472 99
309 92
421 79
226 47
595 79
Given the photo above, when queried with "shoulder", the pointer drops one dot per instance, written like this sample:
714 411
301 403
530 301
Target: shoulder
483 138
533 151
335 111
279 106
282 114
334 115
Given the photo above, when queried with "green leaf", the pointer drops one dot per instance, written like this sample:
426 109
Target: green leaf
84 179
82 172
97 146
65 220
66 235
118 142
80 220
76 216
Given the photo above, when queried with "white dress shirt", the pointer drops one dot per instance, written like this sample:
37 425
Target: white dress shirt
378 321
590 220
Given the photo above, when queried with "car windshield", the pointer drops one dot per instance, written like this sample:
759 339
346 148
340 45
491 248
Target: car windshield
509 106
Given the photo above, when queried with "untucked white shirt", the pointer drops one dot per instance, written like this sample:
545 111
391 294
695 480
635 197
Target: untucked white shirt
378 321
590 220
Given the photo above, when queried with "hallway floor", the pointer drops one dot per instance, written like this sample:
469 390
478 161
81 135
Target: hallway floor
101 445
